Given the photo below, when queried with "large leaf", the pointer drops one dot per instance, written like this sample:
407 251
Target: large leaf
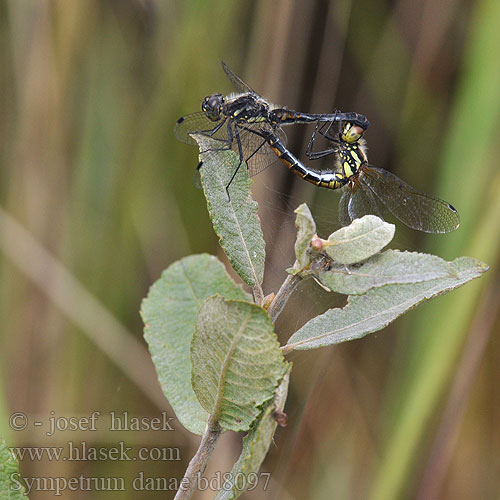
170 313
11 486
374 310
235 220
363 238
255 447
237 361
389 267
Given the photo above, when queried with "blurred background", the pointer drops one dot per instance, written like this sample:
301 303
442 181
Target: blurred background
97 198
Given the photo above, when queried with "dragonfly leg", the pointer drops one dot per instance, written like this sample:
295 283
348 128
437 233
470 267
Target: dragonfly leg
240 151
326 133
321 154
264 141
210 133
315 155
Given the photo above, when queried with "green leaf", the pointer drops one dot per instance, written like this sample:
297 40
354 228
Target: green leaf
255 447
363 238
235 220
306 229
237 361
11 485
389 267
374 310
170 313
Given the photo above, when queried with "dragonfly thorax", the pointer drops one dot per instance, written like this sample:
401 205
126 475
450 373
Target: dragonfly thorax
247 108
352 159
212 106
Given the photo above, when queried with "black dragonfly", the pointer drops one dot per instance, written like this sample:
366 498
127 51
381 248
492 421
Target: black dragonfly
236 122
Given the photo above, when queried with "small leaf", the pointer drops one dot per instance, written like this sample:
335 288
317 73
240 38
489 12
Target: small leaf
389 267
255 447
11 484
237 362
361 239
170 313
306 229
235 220
374 310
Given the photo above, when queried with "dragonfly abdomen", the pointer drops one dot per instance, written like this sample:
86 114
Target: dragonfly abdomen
282 116
327 179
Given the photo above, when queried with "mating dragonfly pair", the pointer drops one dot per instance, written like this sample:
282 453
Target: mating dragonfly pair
252 127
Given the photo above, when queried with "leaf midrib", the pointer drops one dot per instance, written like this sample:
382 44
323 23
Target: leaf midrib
225 365
293 346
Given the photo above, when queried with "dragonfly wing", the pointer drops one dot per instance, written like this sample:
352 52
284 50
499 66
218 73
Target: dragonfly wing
197 176
415 209
201 124
362 202
356 202
344 218
238 83
257 152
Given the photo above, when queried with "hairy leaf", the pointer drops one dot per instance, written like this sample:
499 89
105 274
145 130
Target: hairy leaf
363 238
389 267
170 313
374 310
237 362
11 485
235 220
255 447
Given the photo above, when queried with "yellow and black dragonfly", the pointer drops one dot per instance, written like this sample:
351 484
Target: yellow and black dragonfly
234 123
366 189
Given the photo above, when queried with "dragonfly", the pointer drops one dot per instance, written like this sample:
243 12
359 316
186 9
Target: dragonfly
235 122
366 189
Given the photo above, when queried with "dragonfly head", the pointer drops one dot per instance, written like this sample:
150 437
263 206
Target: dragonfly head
212 106
351 133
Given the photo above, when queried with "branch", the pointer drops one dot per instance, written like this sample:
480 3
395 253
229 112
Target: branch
283 295
198 463
258 294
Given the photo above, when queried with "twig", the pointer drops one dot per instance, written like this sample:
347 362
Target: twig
258 294
283 295
198 463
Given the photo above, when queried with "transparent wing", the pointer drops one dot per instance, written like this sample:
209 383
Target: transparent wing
199 123
415 209
197 177
344 218
238 83
362 202
256 152
356 202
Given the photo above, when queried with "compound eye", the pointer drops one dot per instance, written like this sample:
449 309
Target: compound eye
352 133
212 106
204 104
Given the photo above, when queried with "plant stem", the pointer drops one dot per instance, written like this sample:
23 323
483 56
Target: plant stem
258 294
198 463
283 295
